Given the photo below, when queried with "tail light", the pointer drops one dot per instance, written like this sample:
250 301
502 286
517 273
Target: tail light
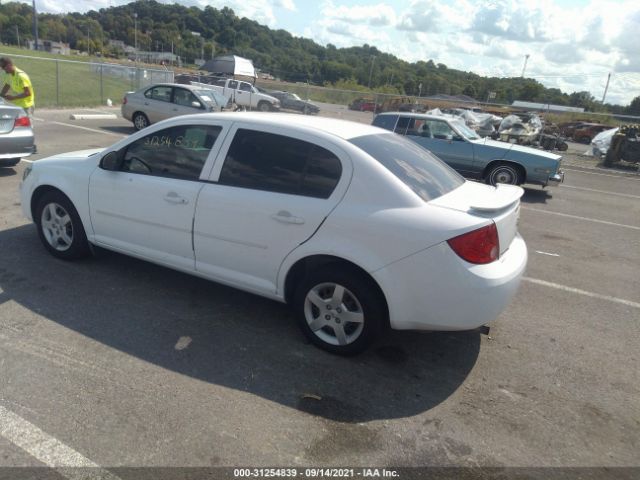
124 101
478 246
22 122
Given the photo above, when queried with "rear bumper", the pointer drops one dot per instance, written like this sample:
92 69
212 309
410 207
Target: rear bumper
437 290
15 145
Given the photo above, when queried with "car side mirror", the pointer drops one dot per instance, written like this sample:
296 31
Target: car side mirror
449 138
111 162
196 104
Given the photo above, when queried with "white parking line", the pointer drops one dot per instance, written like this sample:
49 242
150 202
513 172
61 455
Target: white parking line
49 450
547 253
565 288
623 175
577 217
626 195
89 129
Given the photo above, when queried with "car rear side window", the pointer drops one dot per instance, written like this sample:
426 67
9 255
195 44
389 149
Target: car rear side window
416 167
277 163
388 122
176 152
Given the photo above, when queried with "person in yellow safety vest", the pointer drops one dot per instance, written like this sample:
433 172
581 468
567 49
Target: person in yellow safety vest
19 83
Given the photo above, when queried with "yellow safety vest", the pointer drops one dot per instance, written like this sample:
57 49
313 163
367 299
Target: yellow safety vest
18 80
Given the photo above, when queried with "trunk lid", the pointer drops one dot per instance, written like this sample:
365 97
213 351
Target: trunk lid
500 204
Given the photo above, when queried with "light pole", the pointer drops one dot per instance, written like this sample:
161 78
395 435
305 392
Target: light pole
35 25
135 35
373 59
524 67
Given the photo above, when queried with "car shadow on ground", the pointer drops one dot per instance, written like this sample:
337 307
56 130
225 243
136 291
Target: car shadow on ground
536 195
239 340
7 172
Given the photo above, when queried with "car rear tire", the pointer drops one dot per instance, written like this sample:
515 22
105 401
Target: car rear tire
504 173
339 309
140 121
60 228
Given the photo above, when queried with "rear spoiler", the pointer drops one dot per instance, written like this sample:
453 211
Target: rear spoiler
504 195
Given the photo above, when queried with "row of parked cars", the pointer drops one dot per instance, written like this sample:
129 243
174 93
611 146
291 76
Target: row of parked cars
358 227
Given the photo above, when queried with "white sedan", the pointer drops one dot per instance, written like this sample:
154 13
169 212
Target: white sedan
354 226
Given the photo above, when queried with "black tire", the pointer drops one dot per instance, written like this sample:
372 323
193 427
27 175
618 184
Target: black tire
264 106
60 228
562 146
504 173
360 300
140 121
609 158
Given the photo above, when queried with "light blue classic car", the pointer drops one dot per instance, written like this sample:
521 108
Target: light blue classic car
457 145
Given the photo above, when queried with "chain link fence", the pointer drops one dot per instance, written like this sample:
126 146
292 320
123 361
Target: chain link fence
68 83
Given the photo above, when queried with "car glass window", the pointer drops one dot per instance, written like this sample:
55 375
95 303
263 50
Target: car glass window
184 97
233 84
415 166
245 87
160 93
440 129
276 163
176 152
388 122
409 126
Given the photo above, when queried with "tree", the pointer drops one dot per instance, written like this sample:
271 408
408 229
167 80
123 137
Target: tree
634 107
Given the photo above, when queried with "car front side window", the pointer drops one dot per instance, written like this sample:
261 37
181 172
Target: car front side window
176 152
184 97
159 93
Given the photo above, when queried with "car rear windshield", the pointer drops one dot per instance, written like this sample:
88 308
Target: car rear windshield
418 168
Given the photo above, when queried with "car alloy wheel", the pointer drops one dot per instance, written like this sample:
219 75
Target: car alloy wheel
339 309
334 314
57 227
60 227
140 121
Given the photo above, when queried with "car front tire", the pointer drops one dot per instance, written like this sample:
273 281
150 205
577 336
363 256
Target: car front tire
339 309
503 173
60 228
140 121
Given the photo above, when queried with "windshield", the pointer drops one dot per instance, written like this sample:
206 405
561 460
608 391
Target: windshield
212 96
465 131
416 167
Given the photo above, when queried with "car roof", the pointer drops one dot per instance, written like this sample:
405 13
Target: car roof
425 116
181 85
340 128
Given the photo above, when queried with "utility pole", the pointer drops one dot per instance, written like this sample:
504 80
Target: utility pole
35 25
526 59
135 34
373 59
606 88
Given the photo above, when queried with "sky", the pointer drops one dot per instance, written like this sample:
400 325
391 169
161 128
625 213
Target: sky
571 44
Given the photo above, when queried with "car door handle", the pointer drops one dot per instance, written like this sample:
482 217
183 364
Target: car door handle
286 217
173 197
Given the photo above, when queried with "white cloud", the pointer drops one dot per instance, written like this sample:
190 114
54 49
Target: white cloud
374 15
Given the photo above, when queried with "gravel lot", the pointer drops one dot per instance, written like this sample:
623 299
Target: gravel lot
121 363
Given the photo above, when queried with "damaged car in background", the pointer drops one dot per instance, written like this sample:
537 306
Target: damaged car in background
482 158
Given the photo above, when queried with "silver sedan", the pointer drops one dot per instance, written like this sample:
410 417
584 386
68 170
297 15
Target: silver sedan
16 134
164 100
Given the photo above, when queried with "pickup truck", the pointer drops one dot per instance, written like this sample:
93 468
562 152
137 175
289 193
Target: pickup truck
242 94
